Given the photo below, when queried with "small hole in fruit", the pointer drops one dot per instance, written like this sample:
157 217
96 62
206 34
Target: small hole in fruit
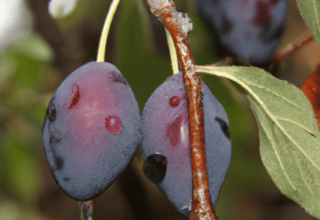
224 127
174 101
113 125
76 97
155 168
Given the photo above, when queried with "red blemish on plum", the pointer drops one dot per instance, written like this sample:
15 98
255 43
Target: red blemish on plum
76 97
173 132
174 101
263 15
113 125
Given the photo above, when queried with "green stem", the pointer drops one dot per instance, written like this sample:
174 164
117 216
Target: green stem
105 31
173 53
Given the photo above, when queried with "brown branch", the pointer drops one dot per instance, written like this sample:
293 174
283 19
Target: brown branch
291 49
178 25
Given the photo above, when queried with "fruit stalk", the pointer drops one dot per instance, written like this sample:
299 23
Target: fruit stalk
178 25
86 210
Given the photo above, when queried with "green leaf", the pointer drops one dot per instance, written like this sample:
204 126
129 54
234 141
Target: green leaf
289 136
310 11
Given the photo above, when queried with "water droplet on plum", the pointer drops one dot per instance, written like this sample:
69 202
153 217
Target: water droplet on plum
174 101
113 125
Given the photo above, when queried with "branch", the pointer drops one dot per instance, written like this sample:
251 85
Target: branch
290 50
178 25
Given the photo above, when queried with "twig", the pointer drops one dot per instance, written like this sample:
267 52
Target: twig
86 210
178 25
290 50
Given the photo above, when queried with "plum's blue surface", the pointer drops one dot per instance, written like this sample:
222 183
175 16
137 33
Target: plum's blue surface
91 130
249 29
165 132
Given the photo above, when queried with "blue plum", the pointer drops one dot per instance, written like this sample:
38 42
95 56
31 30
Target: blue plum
166 145
249 29
91 130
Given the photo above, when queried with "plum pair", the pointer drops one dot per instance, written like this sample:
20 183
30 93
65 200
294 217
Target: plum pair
92 130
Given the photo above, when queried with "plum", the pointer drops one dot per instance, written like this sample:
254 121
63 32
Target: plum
249 29
91 130
165 142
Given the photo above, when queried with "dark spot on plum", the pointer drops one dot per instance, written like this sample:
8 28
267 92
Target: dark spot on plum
113 125
263 15
173 132
59 162
66 179
76 97
155 168
51 112
174 101
224 127
53 139
118 78
226 24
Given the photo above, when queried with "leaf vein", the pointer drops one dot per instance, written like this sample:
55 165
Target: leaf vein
278 157
276 94
303 177
293 122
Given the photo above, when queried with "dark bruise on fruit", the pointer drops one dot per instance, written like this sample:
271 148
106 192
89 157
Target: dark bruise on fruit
224 127
76 97
174 101
118 78
59 162
91 130
155 168
165 131
52 113
227 24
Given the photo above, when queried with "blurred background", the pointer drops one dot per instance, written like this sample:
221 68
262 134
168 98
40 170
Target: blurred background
38 51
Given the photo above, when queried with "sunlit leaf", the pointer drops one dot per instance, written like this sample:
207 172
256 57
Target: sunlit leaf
289 136
310 11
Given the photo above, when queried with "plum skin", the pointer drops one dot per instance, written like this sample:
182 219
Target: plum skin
247 29
84 154
165 131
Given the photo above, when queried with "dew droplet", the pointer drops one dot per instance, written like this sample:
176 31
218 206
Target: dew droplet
224 127
113 125
155 168
174 101
76 97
